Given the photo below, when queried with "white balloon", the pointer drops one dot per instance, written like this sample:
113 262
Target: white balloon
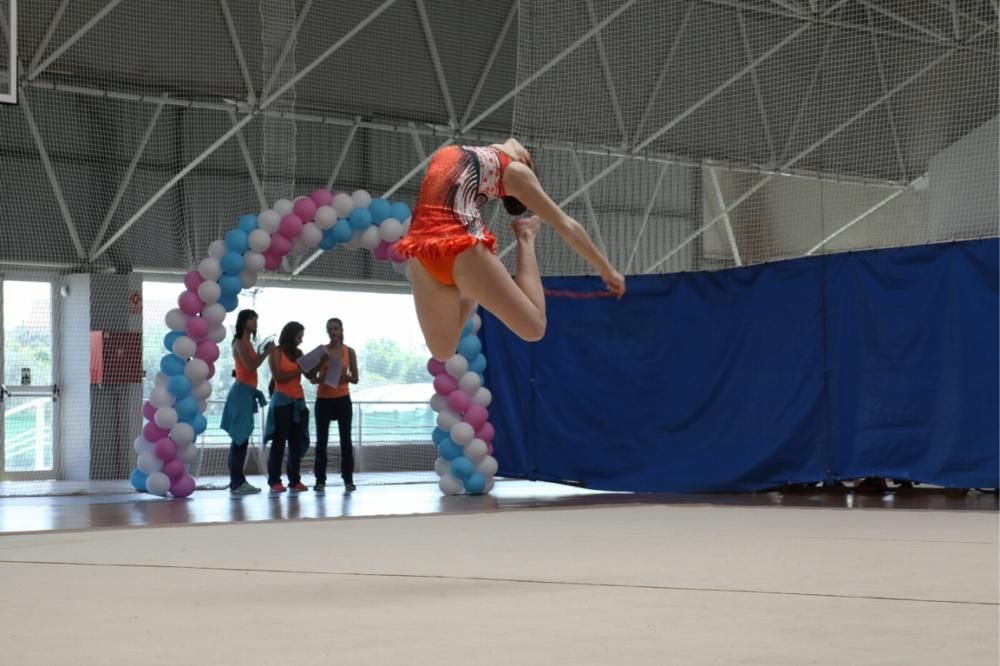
311 234
441 466
449 485
476 451
185 347
489 484
446 418
165 417
217 333
462 433
470 382
158 483
149 463
283 207
406 225
160 397
391 230
188 454
162 379
214 314
248 279
488 467
325 218
217 249
477 322
203 406
176 320
361 198
196 370
142 446
182 434
456 366
342 204
210 269
258 240
355 241
438 402
209 292
370 238
482 396
253 261
298 246
402 268
202 390
268 221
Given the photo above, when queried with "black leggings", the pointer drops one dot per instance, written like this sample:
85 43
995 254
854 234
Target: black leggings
341 411
286 431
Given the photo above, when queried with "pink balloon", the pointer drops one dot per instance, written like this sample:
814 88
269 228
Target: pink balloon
305 208
435 367
445 384
197 328
476 416
291 226
486 432
459 401
174 469
208 351
272 262
489 448
211 370
280 245
149 410
381 251
190 304
322 197
153 432
192 280
183 486
394 255
165 449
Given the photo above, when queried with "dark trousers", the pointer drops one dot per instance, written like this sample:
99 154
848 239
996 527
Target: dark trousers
237 460
286 430
341 411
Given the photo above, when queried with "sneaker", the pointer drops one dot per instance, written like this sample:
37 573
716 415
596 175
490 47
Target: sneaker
298 487
244 489
278 487
320 488
350 487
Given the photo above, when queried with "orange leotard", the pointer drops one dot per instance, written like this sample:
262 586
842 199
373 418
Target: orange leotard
447 219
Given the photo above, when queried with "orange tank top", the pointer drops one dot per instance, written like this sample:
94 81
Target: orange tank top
290 387
245 375
342 389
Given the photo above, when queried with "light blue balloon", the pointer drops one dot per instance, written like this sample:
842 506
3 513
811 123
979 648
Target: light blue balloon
230 285
400 211
449 450
232 262
475 484
199 423
469 347
179 386
329 240
462 468
230 302
138 480
237 241
342 231
478 364
187 408
380 210
247 224
467 329
171 365
360 219
170 338
438 435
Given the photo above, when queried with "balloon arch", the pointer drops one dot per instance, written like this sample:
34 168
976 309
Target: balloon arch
175 409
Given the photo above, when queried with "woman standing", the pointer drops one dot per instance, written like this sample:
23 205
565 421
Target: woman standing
243 401
333 403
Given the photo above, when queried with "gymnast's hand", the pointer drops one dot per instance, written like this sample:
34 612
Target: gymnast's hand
615 282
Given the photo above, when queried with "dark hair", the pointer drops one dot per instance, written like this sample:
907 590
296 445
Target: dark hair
241 321
336 319
287 342
514 206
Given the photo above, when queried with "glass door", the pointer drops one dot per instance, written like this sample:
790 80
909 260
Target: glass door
28 391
